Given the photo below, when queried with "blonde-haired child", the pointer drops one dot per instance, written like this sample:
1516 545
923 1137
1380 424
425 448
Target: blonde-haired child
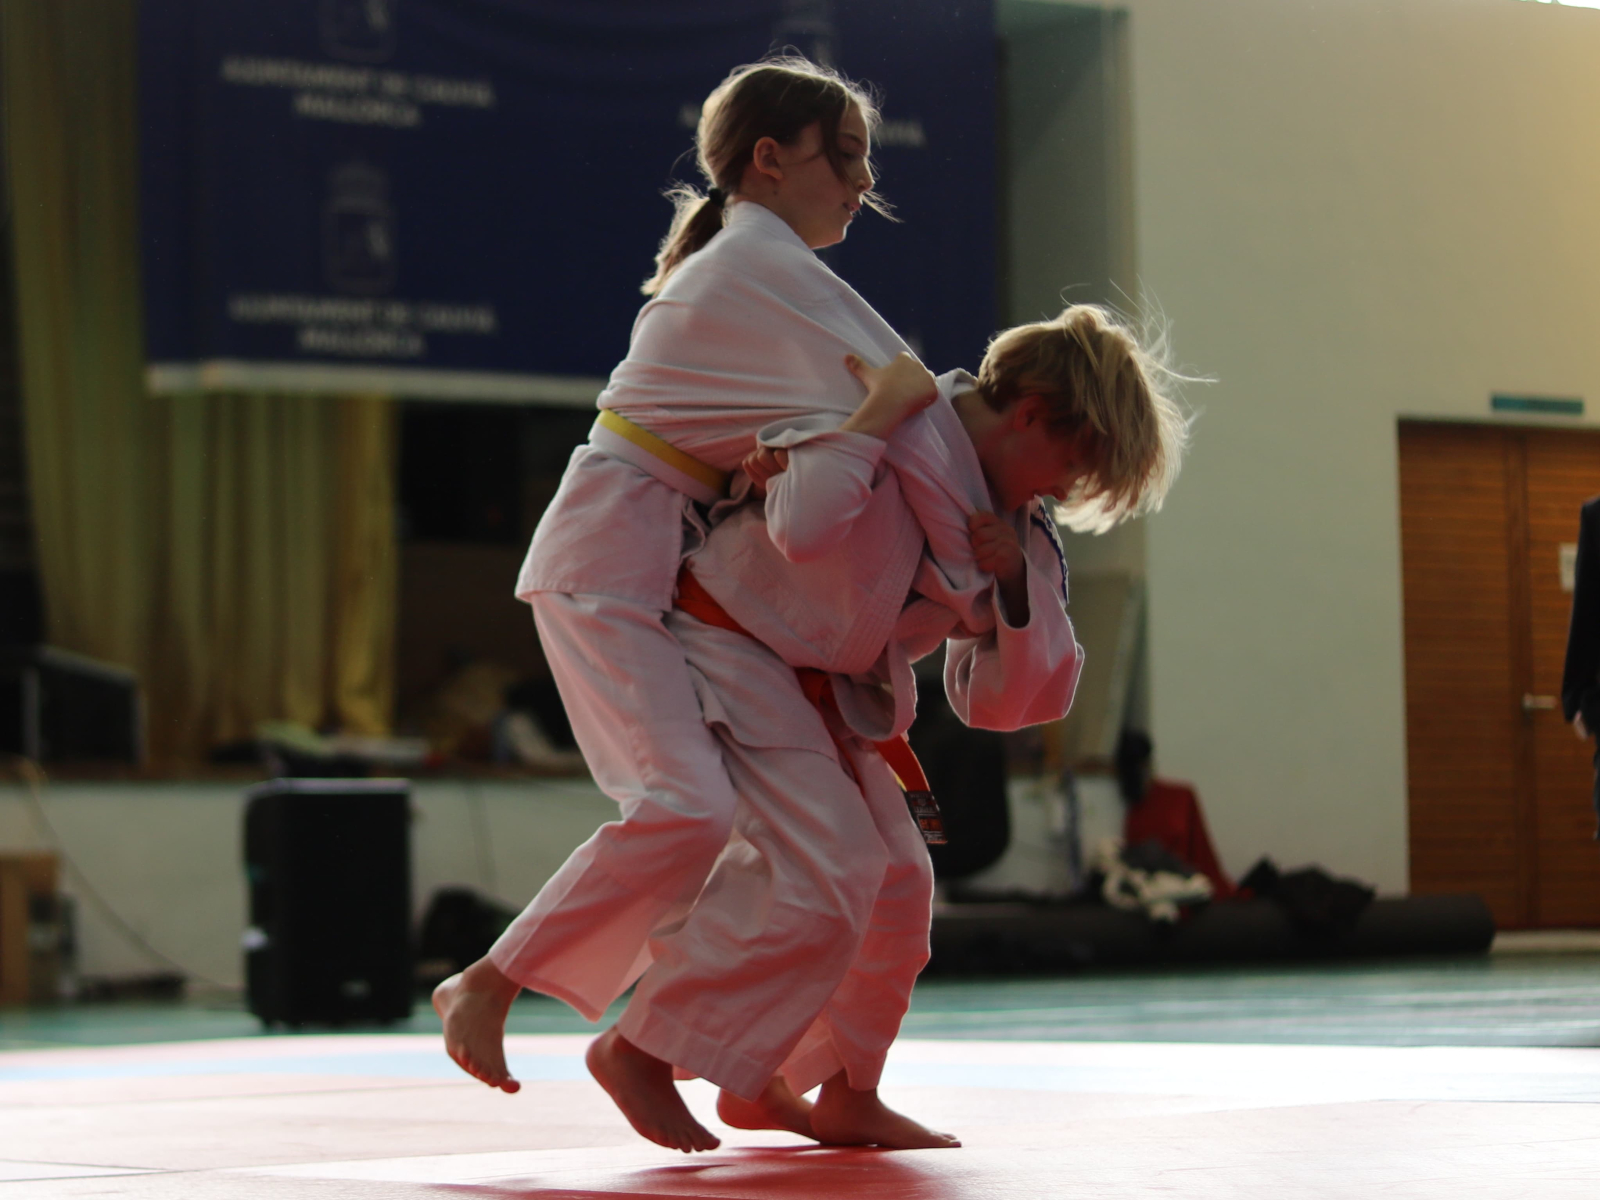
799 957
1104 388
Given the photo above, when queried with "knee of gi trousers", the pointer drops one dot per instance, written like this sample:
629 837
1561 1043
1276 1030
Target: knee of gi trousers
663 850
848 888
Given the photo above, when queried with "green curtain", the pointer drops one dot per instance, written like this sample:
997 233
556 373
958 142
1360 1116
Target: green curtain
235 550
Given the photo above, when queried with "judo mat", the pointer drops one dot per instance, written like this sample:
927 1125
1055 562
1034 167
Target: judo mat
362 1116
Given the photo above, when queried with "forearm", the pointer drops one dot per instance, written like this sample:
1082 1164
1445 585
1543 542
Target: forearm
813 504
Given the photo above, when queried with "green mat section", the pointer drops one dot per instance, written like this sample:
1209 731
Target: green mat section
1482 1001
1499 1000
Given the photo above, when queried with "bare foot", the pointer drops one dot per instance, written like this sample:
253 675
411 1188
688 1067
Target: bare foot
473 1006
843 1116
641 1086
777 1108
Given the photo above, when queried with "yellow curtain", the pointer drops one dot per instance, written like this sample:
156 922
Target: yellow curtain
235 550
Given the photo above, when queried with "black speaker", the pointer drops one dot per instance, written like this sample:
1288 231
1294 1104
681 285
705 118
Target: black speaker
329 866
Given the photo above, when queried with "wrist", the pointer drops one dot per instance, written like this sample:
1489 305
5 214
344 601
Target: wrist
878 425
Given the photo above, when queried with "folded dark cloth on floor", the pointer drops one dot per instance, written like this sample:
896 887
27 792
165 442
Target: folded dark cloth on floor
1316 902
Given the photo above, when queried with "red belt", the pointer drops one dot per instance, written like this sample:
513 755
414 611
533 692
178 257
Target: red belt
818 688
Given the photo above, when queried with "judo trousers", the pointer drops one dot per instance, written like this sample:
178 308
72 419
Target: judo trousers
801 952
636 716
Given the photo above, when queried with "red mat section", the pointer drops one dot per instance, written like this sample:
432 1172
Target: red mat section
383 1116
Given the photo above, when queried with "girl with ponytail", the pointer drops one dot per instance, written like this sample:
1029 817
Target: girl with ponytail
745 326
775 101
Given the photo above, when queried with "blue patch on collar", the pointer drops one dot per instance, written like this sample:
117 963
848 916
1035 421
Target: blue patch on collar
1038 517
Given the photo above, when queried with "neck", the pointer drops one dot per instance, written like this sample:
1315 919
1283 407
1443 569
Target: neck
983 426
979 420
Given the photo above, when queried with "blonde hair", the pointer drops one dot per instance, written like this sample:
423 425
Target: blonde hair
1109 385
777 98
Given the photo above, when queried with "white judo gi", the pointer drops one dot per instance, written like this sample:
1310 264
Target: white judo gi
802 950
750 329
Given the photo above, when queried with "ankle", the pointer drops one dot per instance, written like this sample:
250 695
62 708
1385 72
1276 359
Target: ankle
484 976
622 1046
836 1090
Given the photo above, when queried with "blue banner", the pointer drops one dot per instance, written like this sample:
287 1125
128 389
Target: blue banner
460 198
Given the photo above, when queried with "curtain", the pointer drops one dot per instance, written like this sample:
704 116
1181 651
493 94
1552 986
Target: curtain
237 551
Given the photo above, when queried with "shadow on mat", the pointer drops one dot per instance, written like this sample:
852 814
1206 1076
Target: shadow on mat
861 1173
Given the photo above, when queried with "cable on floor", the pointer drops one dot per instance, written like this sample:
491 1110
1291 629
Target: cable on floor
35 778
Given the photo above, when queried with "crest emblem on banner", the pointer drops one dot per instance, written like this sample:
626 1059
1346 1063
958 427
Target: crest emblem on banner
358 30
358 247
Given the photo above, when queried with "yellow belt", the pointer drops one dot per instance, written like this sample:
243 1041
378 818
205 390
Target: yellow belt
691 466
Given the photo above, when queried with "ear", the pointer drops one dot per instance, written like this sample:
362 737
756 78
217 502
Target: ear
764 158
1028 414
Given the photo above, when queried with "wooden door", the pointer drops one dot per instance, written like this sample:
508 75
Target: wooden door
1563 472
1462 735
1499 786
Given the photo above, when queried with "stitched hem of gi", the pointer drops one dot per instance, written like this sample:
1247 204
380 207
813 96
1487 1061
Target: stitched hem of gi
706 1057
866 1076
814 1067
554 990
509 961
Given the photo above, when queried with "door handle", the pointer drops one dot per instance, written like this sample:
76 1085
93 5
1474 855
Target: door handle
1531 703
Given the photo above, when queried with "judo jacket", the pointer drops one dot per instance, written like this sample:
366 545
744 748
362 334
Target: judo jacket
835 573
752 329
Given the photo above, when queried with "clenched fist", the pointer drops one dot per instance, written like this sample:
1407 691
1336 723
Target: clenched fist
996 547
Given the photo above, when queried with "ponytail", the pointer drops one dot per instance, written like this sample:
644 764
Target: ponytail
695 221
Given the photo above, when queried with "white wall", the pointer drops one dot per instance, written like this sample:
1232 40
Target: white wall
166 857
1351 210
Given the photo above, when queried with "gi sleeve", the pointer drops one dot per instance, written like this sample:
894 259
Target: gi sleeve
813 504
1018 675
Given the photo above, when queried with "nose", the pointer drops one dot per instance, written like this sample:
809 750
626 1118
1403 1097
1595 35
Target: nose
865 181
